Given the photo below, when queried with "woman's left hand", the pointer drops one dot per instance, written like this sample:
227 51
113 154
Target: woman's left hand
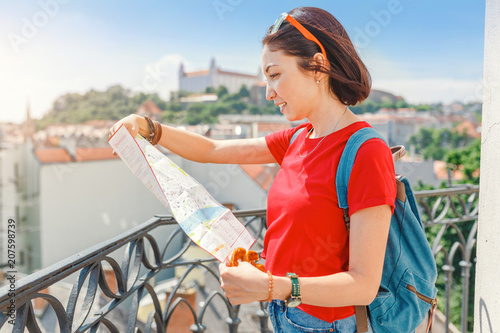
244 283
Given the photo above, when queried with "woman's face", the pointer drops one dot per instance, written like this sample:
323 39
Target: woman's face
292 89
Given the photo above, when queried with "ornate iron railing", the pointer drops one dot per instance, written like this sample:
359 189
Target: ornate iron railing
450 217
112 297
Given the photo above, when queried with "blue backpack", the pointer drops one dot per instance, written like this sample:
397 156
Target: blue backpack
407 291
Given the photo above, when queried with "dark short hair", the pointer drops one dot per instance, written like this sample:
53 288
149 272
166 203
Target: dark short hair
349 79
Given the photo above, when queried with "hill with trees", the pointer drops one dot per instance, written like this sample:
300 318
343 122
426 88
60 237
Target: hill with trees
117 102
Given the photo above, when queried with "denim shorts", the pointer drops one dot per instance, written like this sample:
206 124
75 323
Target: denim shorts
291 320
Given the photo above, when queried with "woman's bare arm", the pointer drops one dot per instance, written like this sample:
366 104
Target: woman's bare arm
201 149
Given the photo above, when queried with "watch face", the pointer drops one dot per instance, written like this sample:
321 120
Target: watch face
293 302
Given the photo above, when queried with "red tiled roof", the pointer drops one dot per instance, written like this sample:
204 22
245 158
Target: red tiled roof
61 155
53 155
149 107
219 71
198 73
94 154
236 74
468 128
441 171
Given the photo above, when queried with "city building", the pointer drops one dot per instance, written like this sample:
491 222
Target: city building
199 81
397 126
259 125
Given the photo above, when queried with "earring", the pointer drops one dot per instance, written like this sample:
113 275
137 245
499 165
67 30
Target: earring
317 81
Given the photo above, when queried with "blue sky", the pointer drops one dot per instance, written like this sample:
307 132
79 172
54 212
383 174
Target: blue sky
423 50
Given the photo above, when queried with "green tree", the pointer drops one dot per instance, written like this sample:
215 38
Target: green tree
174 106
237 107
467 159
254 109
366 106
422 107
243 92
401 104
221 91
198 113
434 143
227 98
433 152
220 108
423 138
387 104
270 108
112 104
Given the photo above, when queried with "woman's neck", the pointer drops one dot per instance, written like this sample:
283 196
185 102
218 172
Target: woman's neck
328 118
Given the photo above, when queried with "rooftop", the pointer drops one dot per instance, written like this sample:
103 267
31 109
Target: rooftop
53 155
62 155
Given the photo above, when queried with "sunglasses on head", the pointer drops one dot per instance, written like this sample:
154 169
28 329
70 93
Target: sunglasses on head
299 27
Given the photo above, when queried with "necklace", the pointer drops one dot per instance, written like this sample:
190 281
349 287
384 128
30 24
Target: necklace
310 131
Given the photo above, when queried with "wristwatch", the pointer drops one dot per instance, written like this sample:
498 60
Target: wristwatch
294 300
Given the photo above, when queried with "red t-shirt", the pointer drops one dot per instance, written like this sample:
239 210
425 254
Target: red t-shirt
306 232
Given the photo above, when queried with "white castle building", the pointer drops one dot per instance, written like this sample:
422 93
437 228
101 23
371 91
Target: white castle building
214 77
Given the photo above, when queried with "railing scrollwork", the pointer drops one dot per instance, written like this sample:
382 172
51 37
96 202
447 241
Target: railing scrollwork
454 211
109 296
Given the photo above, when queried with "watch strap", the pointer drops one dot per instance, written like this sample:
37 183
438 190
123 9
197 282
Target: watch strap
295 284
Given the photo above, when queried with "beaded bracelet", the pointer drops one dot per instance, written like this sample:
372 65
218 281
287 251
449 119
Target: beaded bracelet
271 285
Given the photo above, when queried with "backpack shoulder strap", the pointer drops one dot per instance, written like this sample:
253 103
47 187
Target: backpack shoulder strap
347 161
295 135
341 182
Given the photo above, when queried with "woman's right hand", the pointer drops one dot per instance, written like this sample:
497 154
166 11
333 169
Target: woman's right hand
133 123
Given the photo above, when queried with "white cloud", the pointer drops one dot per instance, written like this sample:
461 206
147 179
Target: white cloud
404 79
432 90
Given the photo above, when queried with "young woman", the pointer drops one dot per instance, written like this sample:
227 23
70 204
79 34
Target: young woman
316 271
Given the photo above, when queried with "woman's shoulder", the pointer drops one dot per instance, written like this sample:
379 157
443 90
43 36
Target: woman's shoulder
279 142
357 125
372 147
286 135
346 132
299 128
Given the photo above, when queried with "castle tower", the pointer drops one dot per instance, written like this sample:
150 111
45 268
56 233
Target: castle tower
29 126
181 70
